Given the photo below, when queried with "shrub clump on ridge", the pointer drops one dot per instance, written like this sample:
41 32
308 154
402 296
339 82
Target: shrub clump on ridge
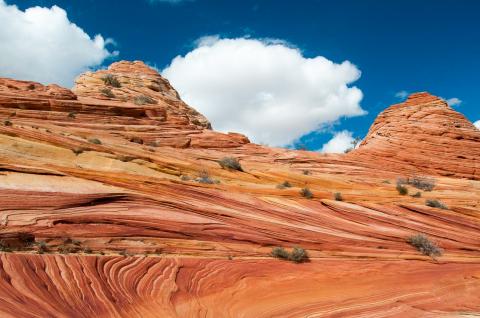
298 254
436 204
306 193
230 163
284 184
111 80
424 245
144 99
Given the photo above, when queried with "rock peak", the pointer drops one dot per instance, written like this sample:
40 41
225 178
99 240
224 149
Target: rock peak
422 98
425 135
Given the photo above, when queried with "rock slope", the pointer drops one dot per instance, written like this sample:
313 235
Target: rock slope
114 205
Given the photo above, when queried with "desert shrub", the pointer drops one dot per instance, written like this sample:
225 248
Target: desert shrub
144 99
95 141
4 247
338 196
71 115
204 177
87 250
184 177
298 255
26 239
417 195
111 80
65 249
230 163
136 140
424 245
348 150
284 184
422 183
107 92
306 172
306 193
78 151
42 247
7 123
280 252
402 190
436 204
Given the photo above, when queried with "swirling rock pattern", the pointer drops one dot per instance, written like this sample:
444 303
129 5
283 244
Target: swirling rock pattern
108 188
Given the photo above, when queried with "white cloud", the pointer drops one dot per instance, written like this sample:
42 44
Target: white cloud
477 124
41 44
265 89
453 101
401 94
340 142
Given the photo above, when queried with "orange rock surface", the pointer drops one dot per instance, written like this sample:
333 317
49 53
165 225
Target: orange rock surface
104 180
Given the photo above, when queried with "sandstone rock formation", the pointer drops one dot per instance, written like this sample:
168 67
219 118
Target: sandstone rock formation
103 214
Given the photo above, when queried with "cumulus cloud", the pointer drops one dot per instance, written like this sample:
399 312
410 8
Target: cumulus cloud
453 101
477 124
340 142
264 88
41 44
401 94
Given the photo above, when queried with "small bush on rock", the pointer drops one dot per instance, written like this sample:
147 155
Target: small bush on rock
306 193
338 196
436 204
95 141
143 99
111 80
424 245
230 163
107 92
298 254
402 190
284 184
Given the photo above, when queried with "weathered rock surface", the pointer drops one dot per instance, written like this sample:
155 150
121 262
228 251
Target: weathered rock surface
106 187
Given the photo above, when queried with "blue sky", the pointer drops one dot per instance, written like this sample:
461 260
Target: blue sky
397 45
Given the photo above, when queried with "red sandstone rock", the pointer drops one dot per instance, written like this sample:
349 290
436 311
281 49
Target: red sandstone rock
98 174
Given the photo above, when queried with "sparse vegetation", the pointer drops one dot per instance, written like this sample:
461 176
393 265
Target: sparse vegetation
230 163
7 123
136 140
298 254
306 172
284 184
71 115
78 151
402 190
421 183
280 252
4 247
338 196
144 99
107 92
417 195
436 204
184 177
111 80
42 247
204 177
95 141
306 193
424 245
87 250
